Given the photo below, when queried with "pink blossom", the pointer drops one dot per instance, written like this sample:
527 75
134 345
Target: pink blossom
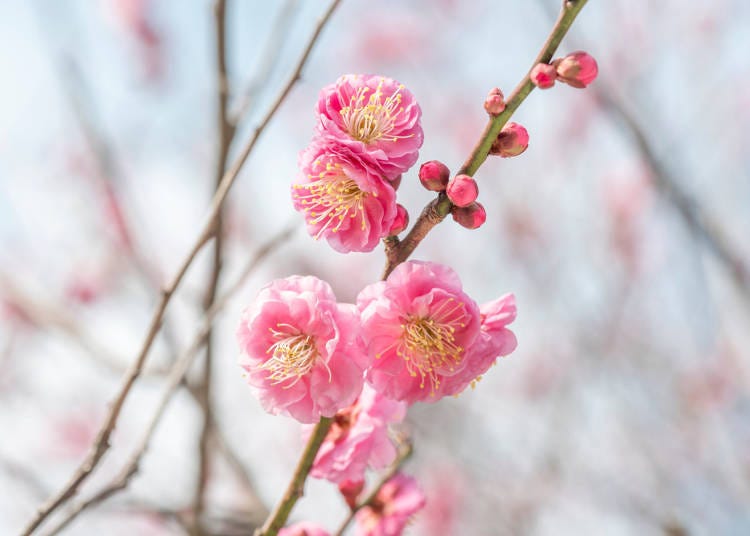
344 200
494 340
543 75
304 529
301 349
427 337
358 438
375 117
578 69
394 505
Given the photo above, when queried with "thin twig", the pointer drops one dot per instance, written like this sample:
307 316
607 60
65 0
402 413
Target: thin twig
436 211
101 443
404 453
269 59
174 380
226 134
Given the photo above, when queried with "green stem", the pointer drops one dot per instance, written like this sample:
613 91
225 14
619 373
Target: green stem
439 208
297 486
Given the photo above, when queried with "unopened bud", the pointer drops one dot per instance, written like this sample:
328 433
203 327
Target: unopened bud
350 491
395 183
471 217
434 175
543 75
495 101
512 141
400 222
578 69
462 190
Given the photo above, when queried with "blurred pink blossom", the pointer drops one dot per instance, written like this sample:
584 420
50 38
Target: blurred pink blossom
394 505
358 438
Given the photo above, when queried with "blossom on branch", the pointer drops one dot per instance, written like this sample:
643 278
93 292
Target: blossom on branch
375 116
344 200
304 528
426 337
358 438
301 349
393 506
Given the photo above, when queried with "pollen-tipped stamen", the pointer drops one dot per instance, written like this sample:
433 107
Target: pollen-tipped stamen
293 355
368 117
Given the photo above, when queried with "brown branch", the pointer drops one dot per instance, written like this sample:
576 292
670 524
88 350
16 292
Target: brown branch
436 211
174 381
226 134
101 443
405 451
269 58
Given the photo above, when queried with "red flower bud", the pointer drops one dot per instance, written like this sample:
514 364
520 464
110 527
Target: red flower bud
400 222
578 69
543 75
434 175
512 141
462 190
495 102
471 217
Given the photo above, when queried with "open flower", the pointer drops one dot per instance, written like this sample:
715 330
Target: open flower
358 438
301 349
393 506
344 200
426 337
373 116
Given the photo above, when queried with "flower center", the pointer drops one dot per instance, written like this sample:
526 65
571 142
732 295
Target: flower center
330 198
428 344
368 118
293 354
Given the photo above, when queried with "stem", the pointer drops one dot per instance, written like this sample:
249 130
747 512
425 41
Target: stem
403 455
296 487
439 208
101 443
226 135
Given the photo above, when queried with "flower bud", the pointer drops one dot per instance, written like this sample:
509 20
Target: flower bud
462 190
396 182
495 102
471 217
543 75
400 222
434 175
350 490
512 141
578 69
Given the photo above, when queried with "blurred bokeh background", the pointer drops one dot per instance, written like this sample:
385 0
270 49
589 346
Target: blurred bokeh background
623 232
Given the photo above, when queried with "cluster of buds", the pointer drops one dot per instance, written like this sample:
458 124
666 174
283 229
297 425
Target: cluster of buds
578 70
462 190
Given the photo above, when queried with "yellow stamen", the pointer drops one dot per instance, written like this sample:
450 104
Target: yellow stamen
368 118
293 354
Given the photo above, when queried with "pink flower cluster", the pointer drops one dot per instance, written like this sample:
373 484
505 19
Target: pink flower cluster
416 336
368 134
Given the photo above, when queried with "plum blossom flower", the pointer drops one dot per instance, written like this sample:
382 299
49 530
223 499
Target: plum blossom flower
343 199
394 505
426 337
578 69
301 349
375 117
304 528
358 438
